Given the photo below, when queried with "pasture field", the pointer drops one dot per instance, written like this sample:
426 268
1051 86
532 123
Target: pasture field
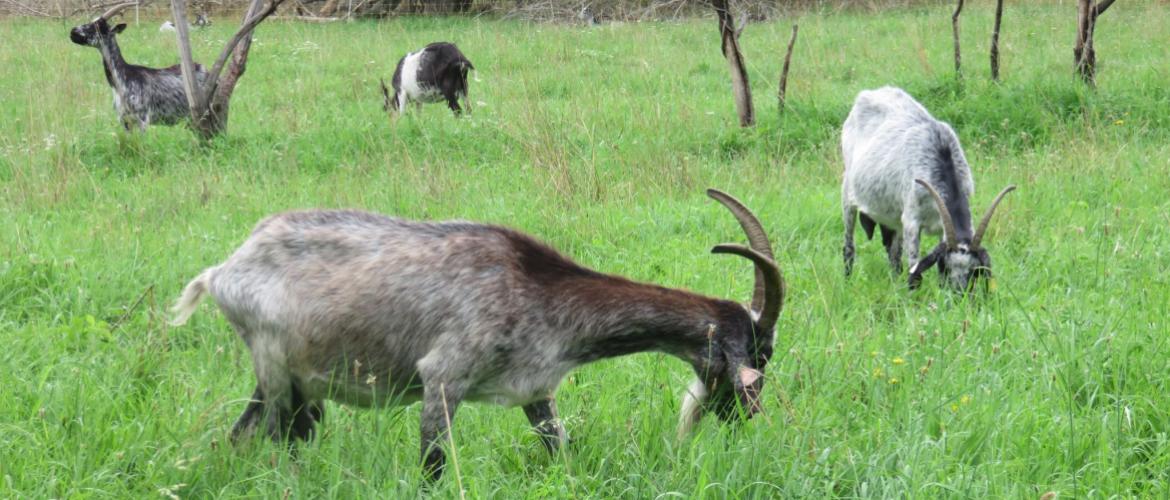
601 142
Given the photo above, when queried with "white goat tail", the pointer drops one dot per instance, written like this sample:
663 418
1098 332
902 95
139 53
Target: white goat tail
192 295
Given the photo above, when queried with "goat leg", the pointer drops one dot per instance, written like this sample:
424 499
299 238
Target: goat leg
251 416
911 233
893 248
848 249
440 400
543 417
302 420
453 103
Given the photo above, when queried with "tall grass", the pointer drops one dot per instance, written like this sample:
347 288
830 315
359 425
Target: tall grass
601 141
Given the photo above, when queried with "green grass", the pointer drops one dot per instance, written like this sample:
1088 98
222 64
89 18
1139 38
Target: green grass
601 142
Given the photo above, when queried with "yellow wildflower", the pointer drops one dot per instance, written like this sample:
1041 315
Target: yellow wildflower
899 361
893 380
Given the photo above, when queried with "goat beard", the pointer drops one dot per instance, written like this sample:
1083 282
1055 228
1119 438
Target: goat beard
692 407
696 399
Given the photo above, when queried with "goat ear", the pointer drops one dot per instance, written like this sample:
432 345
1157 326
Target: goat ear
984 258
749 376
931 259
118 29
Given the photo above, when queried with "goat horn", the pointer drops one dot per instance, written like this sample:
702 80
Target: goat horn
948 225
773 282
116 9
978 239
756 236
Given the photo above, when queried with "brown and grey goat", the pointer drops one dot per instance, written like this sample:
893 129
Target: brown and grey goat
142 96
435 73
372 310
906 173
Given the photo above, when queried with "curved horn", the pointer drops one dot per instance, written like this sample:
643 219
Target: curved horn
116 9
978 239
948 224
773 282
757 238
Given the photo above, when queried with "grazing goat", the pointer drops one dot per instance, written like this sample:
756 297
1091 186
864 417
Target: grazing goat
437 72
905 173
371 310
142 96
169 27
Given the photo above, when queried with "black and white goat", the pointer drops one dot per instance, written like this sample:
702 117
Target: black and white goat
142 96
905 173
435 73
369 310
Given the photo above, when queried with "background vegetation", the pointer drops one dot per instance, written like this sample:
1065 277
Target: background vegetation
600 141
549 10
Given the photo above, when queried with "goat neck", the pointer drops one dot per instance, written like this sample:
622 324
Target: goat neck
614 317
113 62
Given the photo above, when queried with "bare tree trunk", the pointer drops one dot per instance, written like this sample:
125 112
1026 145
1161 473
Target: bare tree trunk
955 31
740 86
186 62
217 117
1083 51
995 41
1085 58
209 99
784 72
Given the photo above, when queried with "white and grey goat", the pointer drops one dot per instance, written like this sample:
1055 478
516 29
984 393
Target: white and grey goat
142 96
437 72
905 173
167 26
372 310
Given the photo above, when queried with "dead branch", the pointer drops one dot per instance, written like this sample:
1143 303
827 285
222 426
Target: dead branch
328 9
309 19
186 62
1102 7
22 9
955 31
784 71
1084 55
209 98
254 19
741 88
130 310
995 41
